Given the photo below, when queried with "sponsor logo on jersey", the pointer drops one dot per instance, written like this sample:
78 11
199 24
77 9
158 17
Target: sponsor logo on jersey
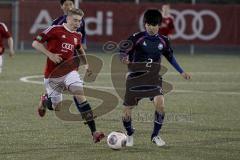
67 46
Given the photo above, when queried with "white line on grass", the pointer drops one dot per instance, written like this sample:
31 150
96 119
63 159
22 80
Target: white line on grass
27 80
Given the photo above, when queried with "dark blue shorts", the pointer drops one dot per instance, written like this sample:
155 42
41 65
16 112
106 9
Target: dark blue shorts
137 90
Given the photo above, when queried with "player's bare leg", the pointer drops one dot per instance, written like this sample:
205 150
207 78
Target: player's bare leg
158 120
86 112
127 123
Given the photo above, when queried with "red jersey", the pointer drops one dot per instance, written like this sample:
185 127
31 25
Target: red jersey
60 40
167 26
4 33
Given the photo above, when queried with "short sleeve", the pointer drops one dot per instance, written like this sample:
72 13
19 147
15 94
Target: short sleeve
45 35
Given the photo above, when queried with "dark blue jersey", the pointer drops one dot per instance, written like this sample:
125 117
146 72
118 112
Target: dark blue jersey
62 19
147 48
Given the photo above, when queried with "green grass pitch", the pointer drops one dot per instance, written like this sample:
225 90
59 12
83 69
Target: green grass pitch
202 115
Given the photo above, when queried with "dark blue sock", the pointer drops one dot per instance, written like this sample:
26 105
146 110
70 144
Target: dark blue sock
81 106
86 112
158 121
127 123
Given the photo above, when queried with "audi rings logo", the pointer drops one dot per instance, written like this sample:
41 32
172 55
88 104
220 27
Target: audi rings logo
197 24
68 46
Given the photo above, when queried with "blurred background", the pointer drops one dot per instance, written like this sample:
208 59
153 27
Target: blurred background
200 25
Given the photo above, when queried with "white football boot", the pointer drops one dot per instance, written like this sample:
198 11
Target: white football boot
158 141
129 141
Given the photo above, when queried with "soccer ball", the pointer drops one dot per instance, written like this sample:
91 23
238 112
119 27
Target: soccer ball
116 140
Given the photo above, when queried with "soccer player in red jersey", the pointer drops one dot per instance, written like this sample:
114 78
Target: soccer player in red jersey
67 5
5 34
167 26
60 71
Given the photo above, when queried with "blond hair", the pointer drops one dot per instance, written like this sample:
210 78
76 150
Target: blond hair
75 11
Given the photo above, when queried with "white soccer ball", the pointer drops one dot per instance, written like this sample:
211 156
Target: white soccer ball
116 140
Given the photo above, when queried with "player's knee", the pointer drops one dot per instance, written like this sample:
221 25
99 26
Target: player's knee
159 100
76 89
159 103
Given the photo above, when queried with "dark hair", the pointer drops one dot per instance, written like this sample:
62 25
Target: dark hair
75 11
62 1
152 17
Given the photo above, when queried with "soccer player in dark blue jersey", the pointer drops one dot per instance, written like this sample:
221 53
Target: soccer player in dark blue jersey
67 5
147 48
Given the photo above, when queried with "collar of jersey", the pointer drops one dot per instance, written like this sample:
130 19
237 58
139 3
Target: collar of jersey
64 25
151 36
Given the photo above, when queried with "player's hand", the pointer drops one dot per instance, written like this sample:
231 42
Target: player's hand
186 76
55 58
125 60
11 53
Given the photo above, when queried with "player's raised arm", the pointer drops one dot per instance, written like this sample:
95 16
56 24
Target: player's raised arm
168 53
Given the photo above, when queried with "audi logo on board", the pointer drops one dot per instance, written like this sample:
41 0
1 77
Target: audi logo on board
197 24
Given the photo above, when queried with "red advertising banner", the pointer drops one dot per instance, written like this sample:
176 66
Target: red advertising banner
195 24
